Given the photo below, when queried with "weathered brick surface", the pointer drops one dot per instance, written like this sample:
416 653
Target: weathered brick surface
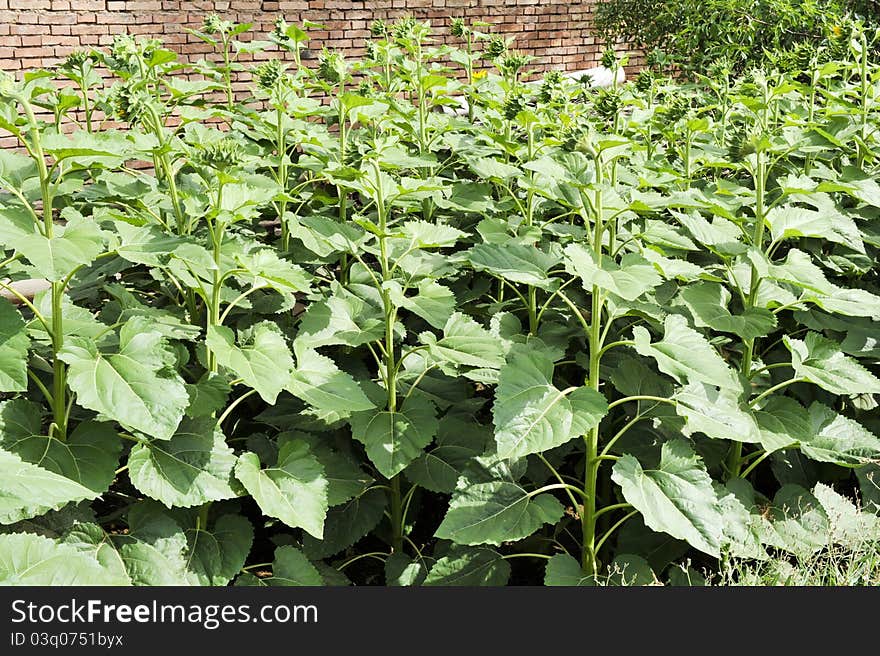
558 33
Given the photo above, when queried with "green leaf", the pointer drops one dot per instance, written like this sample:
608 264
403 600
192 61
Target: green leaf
515 262
395 439
744 526
342 318
292 568
496 512
266 269
146 244
849 525
262 359
323 236
216 556
75 244
715 413
465 343
630 570
80 468
782 422
630 279
819 360
488 168
458 441
563 570
30 560
294 490
89 456
789 222
91 539
155 549
434 303
425 234
685 355
708 302
401 570
192 468
14 345
207 395
531 415
344 476
831 437
348 523
132 385
320 383
798 523
109 148
27 490
467 566
677 498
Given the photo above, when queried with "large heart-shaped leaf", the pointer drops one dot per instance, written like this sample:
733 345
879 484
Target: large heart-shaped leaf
192 468
676 498
294 490
261 358
14 344
394 439
685 355
821 361
496 512
629 279
130 385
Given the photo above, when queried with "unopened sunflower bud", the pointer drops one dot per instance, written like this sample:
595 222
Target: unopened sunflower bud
221 155
609 57
332 67
379 28
280 29
608 103
269 73
76 59
514 62
513 105
496 47
458 28
213 24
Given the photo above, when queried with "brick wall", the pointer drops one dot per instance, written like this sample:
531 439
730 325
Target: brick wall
36 33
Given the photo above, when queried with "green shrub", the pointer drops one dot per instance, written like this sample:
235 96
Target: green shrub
695 33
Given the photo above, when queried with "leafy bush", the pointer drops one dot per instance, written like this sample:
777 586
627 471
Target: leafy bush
694 35
344 330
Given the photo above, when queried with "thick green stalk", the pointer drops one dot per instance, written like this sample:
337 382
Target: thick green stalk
227 76
591 459
213 318
396 498
734 460
863 90
281 143
59 369
530 220
87 106
341 192
469 67
422 104
167 171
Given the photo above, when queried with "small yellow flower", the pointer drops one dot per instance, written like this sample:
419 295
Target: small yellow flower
478 75
836 31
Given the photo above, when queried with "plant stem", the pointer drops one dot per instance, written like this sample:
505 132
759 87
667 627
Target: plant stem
281 144
59 369
389 358
592 463
734 458
213 318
